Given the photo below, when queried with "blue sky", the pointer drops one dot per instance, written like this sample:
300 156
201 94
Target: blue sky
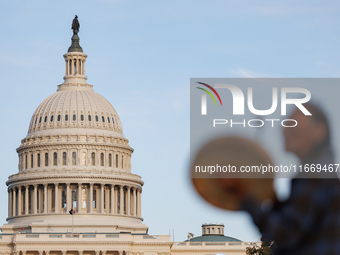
142 55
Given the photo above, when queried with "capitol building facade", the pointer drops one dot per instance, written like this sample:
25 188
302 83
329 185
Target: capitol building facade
74 193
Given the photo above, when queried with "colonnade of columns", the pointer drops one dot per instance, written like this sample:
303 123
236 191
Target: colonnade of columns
80 197
80 252
75 65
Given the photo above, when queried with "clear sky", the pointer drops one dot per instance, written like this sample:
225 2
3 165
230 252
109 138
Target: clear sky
141 56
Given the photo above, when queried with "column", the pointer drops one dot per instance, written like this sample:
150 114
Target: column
120 252
103 252
45 198
121 200
128 201
107 200
112 198
90 203
23 252
14 213
19 201
139 202
10 201
27 191
115 208
97 252
102 198
40 252
80 252
40 196
56 198
68 197
35 199
47 252
79 202
134 201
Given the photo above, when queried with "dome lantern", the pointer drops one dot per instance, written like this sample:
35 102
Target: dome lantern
75 59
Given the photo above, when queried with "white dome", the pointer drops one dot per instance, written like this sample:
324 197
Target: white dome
75 107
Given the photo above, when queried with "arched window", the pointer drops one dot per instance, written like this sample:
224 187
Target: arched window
45 119
89 117
82 117
46 159
51 118
36 119
94 202
74 117
66 117
208 231
64 158
116 160
63 198
74 158
102 159
38 159
93 159
74 198
59 117
40 119
55 158
31 160
103 119
108 119
97 118
113 122
53 199
110 160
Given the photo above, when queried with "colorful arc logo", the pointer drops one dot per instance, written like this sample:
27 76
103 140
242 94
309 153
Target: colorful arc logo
213 90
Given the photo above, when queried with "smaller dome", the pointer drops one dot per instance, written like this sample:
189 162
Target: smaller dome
214 238
212 233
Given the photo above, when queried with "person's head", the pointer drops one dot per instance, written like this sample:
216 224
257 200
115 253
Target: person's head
310 136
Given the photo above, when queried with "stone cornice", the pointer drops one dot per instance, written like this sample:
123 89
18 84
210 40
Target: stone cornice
75 145
52 177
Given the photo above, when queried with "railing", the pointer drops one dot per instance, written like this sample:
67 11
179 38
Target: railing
223 244
89 236
99 236
55 236
32 236
52 171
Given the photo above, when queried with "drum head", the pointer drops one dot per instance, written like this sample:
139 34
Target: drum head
231 151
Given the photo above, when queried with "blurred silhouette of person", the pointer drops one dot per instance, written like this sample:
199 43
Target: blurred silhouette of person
308 222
